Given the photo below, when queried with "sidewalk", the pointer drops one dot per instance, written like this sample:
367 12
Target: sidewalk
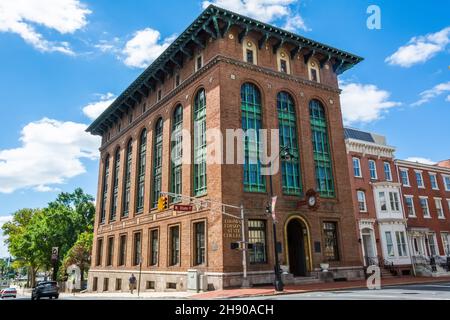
292 289
128 296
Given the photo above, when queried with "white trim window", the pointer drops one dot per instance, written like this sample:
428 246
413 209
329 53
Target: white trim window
401 243
387 171
357 167
373 170
433 181
249 52
445 242
404 177
448 203
383 202
198 62
395 202
362 205
424 206
419 179
439 208
446 183
314 71
433 248
410 211
389 244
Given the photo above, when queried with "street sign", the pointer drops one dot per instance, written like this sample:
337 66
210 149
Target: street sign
55 251
183 208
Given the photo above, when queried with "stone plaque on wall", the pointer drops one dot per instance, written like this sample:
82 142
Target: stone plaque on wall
232 229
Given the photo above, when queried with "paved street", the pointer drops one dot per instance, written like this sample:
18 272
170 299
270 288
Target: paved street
433 291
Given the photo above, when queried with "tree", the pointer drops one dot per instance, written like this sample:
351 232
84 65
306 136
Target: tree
80 253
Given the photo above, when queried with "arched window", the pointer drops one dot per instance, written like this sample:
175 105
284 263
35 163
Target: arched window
141 172
314 70
127 180
321 147
114 204
287 121
177 151
284 64
251 120
157 162
200 143
105 189
250 51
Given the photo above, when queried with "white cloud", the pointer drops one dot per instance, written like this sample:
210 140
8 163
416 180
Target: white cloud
421 160
420 49
23 16
51 152
428 95
363 103
95 109
265 10
145 47
3 248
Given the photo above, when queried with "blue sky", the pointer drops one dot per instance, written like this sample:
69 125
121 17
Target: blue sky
60 68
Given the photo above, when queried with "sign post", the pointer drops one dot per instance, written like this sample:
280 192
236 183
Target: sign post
55 254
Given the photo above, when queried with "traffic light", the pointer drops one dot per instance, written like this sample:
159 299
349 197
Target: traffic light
163 203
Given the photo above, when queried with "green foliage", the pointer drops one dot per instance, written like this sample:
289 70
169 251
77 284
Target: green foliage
80 253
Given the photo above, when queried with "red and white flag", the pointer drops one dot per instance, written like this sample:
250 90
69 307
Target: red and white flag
274 202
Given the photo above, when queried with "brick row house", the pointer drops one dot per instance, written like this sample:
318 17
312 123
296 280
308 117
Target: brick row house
402 207
225 71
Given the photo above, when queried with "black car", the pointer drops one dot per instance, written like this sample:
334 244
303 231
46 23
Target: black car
46 289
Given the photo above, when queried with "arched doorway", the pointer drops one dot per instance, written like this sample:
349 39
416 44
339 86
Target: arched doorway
298 252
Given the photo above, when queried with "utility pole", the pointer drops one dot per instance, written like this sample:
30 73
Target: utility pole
245 281
140 274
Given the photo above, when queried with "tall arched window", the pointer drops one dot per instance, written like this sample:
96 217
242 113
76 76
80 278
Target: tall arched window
251 120
114 204
321 147
177 151
157 162
200 143
127 180
105 189
287 121
141 172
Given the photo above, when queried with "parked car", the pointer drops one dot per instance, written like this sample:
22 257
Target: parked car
8 293
45 289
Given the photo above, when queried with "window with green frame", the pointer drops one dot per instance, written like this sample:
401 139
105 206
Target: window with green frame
157 162
127 180
321 148
114 204
105 190
141 172
177 152
200 187
287 121
251 120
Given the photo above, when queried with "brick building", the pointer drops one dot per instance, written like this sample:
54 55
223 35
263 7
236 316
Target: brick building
225 71
426 197
376 193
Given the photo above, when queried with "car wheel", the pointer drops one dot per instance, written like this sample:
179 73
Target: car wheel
56 297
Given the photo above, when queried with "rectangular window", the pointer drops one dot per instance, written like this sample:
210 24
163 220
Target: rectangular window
424 206
199 243
387 171
283 66
95 284
159 95
122 250
118 284
419 179
409 201
154 247
404 177
432 244
257 237
106 284
250 56
199 64
357 167
177 80
401 244
200 177
383 202
314 75
99 252
447 183
439 208
110 251
174 234
445 243
331 241
389 244
395 202
130 117
362 201
373 170
137 247
433 181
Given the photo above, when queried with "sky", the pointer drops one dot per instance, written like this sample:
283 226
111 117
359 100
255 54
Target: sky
62 62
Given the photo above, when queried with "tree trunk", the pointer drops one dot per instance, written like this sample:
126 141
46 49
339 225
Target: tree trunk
33 277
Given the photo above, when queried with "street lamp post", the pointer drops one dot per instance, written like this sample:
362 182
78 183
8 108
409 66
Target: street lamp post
279 285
